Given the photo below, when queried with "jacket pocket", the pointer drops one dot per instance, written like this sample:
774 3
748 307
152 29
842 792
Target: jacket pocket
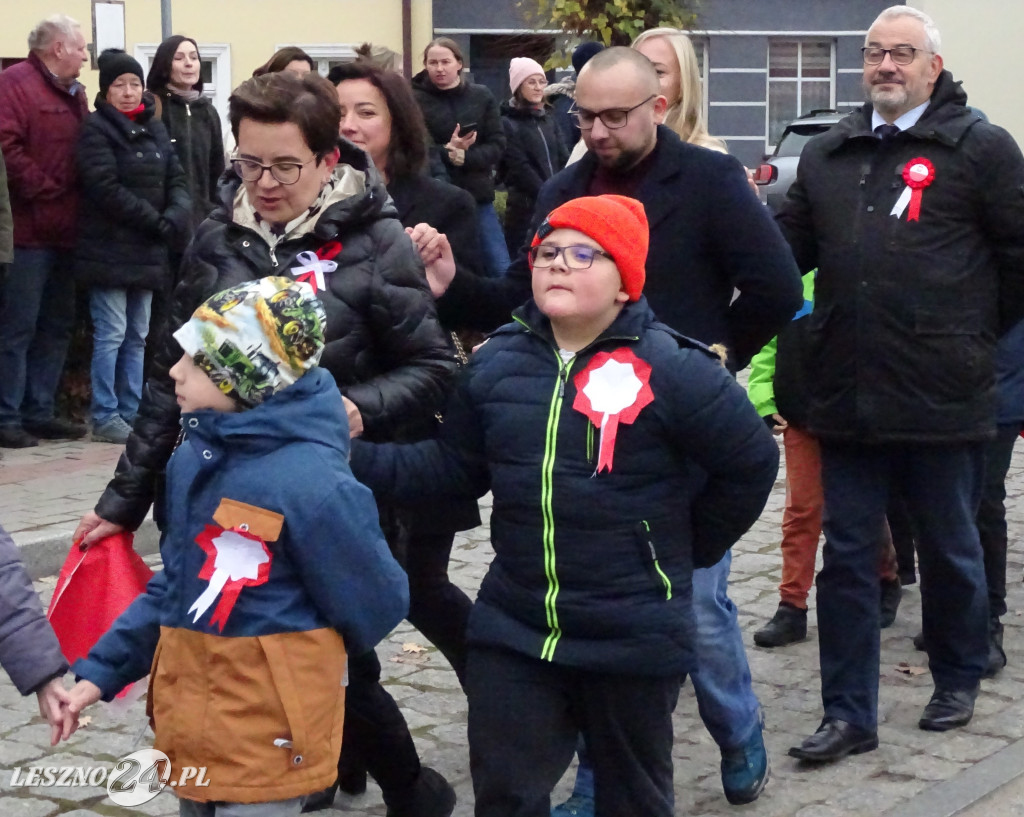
649 556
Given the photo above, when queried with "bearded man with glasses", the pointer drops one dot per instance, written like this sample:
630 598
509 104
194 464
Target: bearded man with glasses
911 211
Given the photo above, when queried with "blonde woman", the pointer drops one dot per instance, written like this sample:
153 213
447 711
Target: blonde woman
679 74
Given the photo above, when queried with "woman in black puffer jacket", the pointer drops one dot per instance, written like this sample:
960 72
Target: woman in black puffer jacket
135 208
450 106
320 215
534 151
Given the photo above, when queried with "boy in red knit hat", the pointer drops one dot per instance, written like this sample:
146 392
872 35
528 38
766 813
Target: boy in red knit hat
620 455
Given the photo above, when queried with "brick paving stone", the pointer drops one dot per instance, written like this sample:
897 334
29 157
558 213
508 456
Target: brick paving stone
55 480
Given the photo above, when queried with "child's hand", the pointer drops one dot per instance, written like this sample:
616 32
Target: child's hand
82 694
53 705
355 419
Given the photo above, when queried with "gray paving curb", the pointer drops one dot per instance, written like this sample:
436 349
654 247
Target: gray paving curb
44 553
968 788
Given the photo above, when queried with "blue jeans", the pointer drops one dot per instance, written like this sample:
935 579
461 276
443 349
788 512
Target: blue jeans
721 683
941 485
492 241
120 321
37 313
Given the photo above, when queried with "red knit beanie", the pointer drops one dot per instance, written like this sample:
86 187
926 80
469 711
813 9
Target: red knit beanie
617 223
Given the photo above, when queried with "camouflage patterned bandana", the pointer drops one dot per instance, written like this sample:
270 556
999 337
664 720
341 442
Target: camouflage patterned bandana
256 338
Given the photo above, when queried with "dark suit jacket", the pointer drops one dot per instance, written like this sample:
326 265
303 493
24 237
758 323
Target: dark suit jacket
710 236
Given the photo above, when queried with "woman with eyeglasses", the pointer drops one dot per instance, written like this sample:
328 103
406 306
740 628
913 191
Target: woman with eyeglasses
534 152
465 128
309 206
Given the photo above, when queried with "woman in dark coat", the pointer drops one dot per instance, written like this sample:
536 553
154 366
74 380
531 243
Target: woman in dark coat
309 206
534 151
175 80
134 209
465 128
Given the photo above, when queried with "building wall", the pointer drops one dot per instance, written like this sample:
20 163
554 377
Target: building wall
980 47
251 28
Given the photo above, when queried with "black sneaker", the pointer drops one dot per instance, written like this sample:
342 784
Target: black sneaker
55 429
892 592
788 626
16 437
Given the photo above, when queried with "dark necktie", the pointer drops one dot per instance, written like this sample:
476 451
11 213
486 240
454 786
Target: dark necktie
886 131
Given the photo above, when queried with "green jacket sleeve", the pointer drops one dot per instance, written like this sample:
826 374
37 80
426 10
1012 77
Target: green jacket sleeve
761 384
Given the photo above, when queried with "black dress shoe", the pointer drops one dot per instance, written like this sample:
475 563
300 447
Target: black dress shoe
919 642
16 437
892 592
996 655
948 709
788 625
55 429
835 739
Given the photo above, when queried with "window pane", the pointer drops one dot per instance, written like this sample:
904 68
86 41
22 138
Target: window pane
813 96
817 59
782 59
206 70
782 101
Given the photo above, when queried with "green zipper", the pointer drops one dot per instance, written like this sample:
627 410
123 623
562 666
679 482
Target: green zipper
657 567
547 478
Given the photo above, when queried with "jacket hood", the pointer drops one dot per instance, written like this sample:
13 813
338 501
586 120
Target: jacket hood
422 82
510 109
946 119
565 87
309 410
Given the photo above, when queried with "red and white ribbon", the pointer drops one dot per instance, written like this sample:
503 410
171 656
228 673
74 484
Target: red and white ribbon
313 267
234 559
918 174
613 389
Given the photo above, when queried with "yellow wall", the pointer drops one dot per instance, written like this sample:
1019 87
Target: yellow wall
980 46
251 27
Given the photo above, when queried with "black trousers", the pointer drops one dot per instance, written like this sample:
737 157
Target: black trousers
992 515
525 715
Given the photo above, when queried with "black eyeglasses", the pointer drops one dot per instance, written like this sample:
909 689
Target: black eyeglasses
901 54
577 256
283 172
613 118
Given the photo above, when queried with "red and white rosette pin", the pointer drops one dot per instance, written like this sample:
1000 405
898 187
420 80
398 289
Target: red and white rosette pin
613 389
234 559
313 267
918 174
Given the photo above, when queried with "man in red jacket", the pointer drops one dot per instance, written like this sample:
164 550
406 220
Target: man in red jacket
42 105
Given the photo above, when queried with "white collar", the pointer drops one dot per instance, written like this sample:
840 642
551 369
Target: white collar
906 121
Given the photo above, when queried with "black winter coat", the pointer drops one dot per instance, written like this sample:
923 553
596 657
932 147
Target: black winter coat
710 236
452 211
592 570
384 344
465 104
135 205
449 210
907 312
533 154
195 130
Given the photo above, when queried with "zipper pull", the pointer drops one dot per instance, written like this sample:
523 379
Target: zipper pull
188 109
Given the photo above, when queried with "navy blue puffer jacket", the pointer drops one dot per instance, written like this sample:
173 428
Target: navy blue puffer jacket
592 570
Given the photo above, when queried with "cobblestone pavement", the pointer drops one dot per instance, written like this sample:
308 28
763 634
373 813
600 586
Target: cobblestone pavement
46 489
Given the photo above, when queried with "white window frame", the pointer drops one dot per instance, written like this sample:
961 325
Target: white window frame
324 53
799 79
219 89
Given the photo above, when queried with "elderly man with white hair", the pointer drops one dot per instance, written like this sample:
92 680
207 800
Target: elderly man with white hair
42 105
912 211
